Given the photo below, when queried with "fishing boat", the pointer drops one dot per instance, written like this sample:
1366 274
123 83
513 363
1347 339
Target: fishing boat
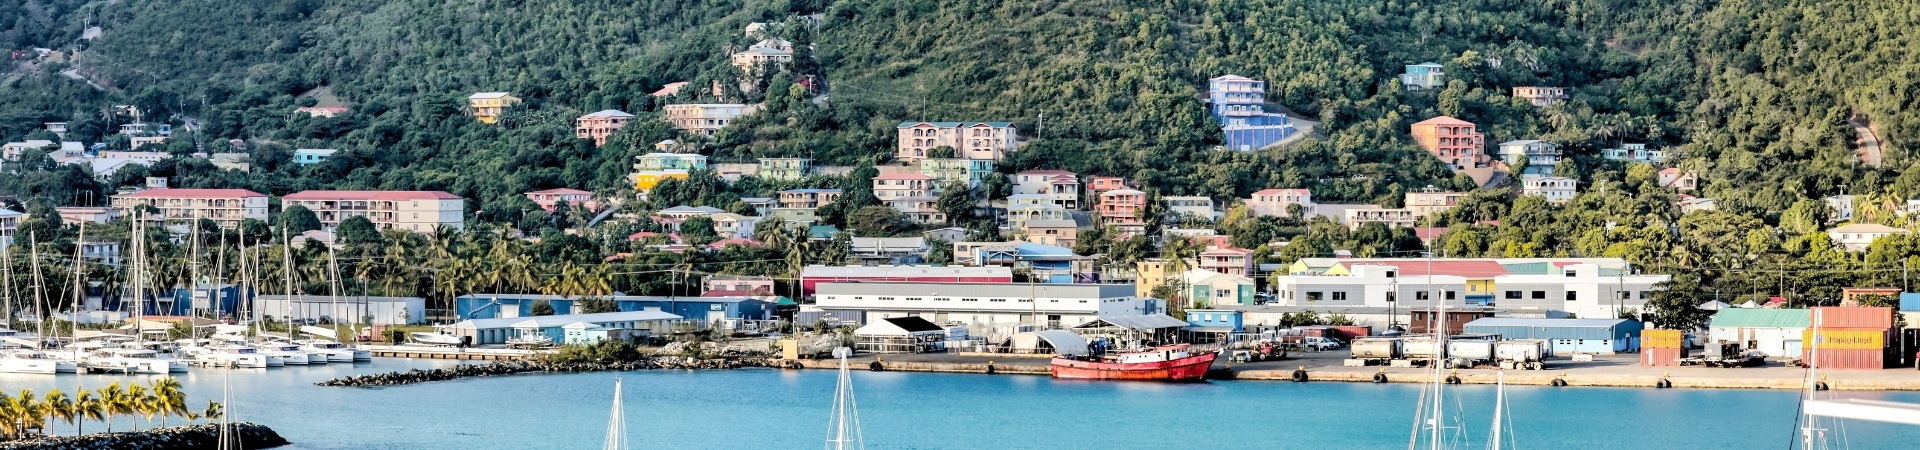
1164 363
25 360
534 339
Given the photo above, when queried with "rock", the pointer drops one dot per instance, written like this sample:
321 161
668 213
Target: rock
251 435
516 367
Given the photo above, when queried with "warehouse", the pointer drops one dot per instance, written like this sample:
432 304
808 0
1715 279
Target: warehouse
984 304
345 309
1775 332
1566 336
708 309
498 331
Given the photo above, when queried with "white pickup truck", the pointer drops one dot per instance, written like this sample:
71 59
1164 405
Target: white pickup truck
1319 343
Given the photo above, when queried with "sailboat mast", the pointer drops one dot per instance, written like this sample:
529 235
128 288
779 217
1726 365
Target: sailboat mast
6 285
616 422
286 270
79 275
334 285
193 265
1439 352
1499 407
39 288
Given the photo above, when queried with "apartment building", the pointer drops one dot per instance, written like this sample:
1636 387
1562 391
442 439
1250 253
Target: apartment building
1275 202
1555 189
785 168
970 140
552 199
416 211
1454 141
597 126
764 57
887 187
652 168
1423 76
1428 202
921 209
732 226
1539 156
967 172
1121 208
808 198
9 223
227 207
1392 217
1056 232
1634 153
1059 186
1541 95
487 106
706 118
1239 103
1023 208
1190 206
1227 260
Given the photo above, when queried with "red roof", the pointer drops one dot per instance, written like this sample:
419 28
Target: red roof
670 89
1470 269
1428 233
903 176
561 191
370 195
194 193
1444 120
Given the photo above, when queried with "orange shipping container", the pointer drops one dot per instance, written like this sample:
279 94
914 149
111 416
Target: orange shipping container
1847 359
1656 338
1662 356
1857 317
1838 339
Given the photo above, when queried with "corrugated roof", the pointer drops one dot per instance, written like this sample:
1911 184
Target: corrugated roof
1559 323
1139 322
904 271
559 320
1762 318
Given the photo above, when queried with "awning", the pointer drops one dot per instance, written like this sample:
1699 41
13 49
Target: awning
1210 329
1063 342
1140 322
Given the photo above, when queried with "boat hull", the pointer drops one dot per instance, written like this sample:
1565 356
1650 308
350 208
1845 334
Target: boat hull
1191 368
36 366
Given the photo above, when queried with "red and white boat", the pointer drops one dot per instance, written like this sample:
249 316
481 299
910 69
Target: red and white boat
1163 363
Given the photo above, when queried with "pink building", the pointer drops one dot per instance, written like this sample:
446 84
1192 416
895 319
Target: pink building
1120 208
1227 260
1097 185
1274 202
599 125
969 140
1454 141
416 211
552 198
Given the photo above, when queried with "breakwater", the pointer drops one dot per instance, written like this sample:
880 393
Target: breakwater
504 368
193 437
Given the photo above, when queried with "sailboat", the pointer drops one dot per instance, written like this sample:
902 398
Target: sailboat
1501 433
29 359
843 430
616 423
1431 419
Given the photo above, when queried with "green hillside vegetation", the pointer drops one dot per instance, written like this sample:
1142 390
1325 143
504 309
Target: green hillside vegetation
1754 96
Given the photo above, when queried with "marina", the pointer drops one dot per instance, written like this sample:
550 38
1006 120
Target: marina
771 408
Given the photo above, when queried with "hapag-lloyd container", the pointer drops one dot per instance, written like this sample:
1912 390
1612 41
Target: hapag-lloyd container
1656 338
1860 359
1855 317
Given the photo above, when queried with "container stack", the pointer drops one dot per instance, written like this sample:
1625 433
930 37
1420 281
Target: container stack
1851 337
1662 347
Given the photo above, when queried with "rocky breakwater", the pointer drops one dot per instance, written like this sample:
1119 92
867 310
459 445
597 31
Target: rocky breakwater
196 437
521 367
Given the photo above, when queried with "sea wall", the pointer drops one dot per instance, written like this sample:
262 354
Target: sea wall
191 437
521 367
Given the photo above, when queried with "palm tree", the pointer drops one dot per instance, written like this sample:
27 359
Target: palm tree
134 403
172 400
10 418
57 405
26 412
1176 251
112 402
214 411
87 407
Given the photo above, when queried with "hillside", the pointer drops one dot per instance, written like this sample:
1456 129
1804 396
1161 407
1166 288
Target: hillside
1752 95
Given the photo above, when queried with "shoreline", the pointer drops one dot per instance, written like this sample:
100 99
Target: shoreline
1835 380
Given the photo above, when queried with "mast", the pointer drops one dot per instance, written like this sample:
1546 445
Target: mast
333 266
1439 353
79 277
845 424
193 266
286 270
616 423
39 289
1499 406
6 285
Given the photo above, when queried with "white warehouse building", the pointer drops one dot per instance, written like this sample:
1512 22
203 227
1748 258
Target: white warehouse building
1054 305
343 309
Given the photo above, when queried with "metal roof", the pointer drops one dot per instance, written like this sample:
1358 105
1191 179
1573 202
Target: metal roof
555 321
904 271
1064 342
1139 322
1761 318
1531 322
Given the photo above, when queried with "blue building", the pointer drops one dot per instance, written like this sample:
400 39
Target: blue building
307 156
1240 105
499 306
225 298
1045 263
1215 320
567 328
1566 335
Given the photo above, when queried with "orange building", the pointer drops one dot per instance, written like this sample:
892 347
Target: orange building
1456 142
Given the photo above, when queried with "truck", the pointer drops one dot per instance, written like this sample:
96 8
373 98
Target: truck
1421 348
1376 349
1726 354
1516 354
1467 354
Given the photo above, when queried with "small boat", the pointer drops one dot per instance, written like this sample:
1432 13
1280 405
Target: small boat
294 351
422 337
530 340
1163 363
33 361
235 356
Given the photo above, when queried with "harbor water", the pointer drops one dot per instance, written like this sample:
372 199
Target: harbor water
764 409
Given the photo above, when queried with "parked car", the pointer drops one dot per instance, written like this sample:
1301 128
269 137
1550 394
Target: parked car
1320 343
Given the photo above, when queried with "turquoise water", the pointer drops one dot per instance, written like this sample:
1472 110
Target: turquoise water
760 409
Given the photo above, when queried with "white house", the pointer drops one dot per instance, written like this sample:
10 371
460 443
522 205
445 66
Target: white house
1857 237
1841 207
1378 286
1555 189
9 221
1579 289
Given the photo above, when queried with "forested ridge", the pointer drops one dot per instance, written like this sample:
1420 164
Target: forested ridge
1754 96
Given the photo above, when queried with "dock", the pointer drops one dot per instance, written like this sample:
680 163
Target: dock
434 352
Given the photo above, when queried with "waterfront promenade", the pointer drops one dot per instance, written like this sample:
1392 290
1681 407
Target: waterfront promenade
1605 370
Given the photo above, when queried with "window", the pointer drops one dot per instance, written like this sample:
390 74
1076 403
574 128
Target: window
1626 295
1570 274
1645 295
1391 273
1422 295
1392 296
1450 294
1539 295
1513 295
1571 296
1339 295
1313 296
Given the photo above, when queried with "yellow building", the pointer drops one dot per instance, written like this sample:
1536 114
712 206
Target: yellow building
652 168
1152 273
487 106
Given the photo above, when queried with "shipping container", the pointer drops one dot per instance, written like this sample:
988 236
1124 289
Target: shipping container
1658 357
1479 350
1656 338
1422 347
1844 339
1376 348
1350 333
1325 332
1863 359
1855 317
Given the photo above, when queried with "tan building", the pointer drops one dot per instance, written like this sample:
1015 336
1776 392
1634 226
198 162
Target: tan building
599 125
227 207
1274 202
416 211
1541 95
970 140
808 198
706 118
1056 232
1426 203
1398 217
764 56
486 106
902 185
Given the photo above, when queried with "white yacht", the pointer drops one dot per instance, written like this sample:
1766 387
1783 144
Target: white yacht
26 360
285 348
275 358
336 351
131 360
236 356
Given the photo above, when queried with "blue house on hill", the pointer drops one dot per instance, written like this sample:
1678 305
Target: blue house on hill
1240 105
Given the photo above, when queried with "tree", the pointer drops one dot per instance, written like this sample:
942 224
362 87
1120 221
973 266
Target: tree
357 230
939 251
698 231
596 305
877 220
298 219
956 202
540 308
1676 303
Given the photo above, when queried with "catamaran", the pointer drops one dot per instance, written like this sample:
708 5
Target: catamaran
26 360
335 351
